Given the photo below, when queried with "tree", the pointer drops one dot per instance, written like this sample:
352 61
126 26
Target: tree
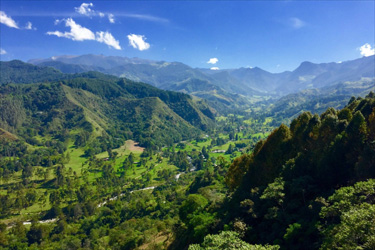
349 218
237 170
77 211
357 127
228 240
199 224
275 191
55 197
27 172
60 179
204 152
131 158
193 203
221 161
230 149
36 233
355 231
42 200
231 136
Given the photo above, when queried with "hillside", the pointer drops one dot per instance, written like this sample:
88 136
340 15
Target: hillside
19 72
281 190
290 106
173 76
307 186
98 104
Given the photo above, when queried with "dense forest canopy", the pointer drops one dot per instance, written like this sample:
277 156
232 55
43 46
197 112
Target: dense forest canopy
285 188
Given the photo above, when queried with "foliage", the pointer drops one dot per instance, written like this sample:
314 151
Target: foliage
279 189
349 217
228 240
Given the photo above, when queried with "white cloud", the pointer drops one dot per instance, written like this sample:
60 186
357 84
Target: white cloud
138 42
7 20
296 22
77 32
366 50
107 38
111 18
213 60
86 9
214 68
29 26
2 52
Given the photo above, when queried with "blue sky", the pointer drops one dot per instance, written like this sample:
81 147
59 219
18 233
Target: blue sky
273 35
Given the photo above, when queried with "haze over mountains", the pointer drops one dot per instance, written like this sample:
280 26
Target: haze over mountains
220 83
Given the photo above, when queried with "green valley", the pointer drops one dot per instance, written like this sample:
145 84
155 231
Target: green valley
93 161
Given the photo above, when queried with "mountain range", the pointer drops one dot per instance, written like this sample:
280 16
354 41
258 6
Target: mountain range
247 82
311 87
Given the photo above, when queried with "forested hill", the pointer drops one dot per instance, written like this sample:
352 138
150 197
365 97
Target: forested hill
281 190
19 72
95 104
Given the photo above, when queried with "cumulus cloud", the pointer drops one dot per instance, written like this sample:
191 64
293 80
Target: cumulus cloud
214 68
111 18
7 20
76 33
29 26
86 9
366 50
296 22
79 33
138 42
213 60
107 38
2 52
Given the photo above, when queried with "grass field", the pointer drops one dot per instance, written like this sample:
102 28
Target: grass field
76 159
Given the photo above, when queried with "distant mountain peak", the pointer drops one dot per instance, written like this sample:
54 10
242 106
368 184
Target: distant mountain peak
305 67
